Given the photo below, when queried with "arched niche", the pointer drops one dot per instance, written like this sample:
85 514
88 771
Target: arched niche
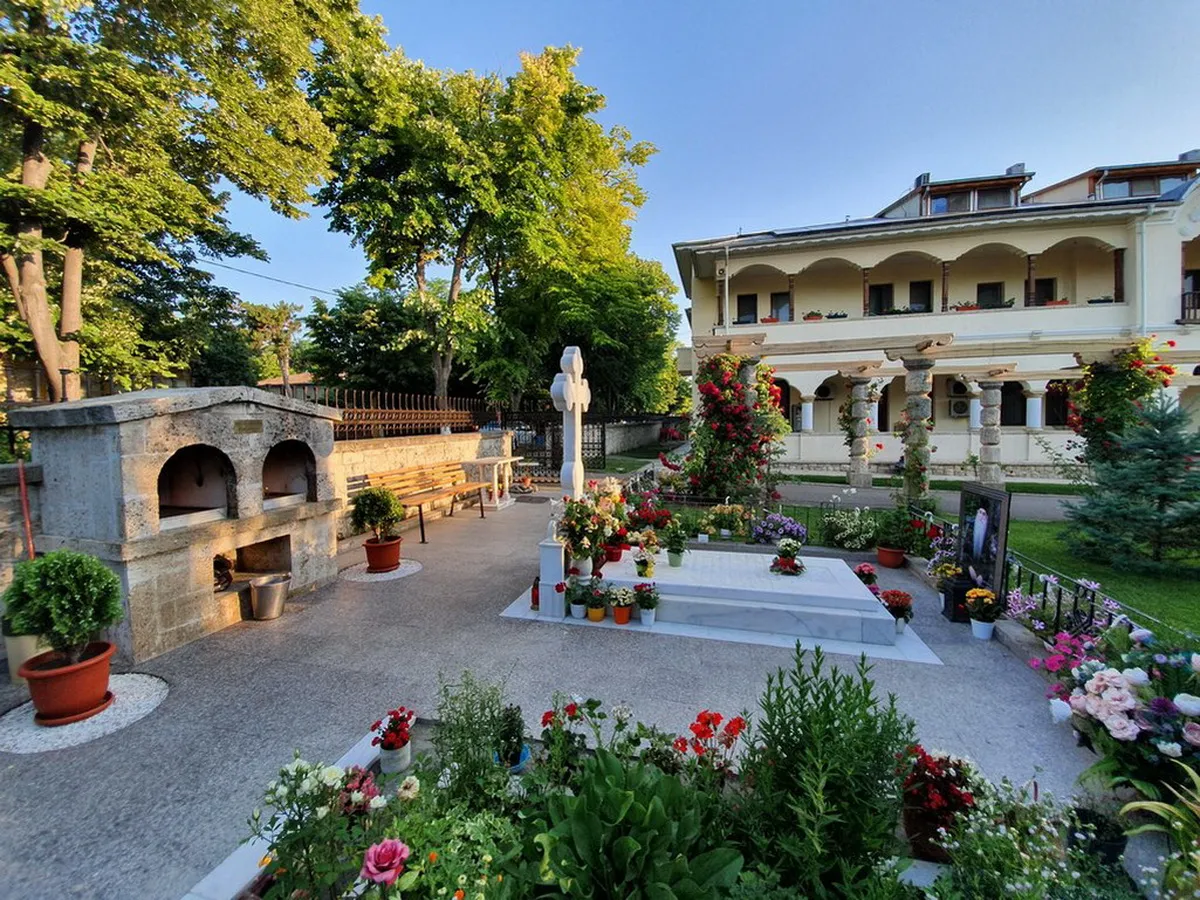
197 484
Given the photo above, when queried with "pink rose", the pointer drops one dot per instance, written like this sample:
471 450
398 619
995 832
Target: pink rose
1191 733
1122 728
1078 701
384 861
1119 699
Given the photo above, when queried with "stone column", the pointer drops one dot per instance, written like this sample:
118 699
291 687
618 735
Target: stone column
989 435
918 382
860 472
806 413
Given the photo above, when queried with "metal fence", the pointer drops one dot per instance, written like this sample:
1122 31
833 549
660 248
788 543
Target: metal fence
375 414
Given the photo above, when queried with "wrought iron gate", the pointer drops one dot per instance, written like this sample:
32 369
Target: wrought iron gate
537 436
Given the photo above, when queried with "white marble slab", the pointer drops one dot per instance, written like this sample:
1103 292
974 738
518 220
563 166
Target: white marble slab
908 646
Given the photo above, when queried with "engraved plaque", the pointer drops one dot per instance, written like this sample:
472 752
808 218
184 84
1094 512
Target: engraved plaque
247 426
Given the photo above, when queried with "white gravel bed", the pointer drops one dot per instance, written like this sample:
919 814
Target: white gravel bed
134 697
359 573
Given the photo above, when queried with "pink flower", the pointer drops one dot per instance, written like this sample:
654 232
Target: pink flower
384 861
1119 699
1078 701
1122 728
1191 733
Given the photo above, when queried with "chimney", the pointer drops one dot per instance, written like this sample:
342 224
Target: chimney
921 180
1190 156
1015 169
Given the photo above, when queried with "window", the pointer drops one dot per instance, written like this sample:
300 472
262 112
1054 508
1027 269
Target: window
781 306
1012 404
1114 190
920 296
1055 405
993 198
1170 182
959 201
747 309
879 299
1191 281
990 294
1144 187
1045 290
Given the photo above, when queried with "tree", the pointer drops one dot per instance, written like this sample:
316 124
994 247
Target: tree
274 328
124 116
1143 508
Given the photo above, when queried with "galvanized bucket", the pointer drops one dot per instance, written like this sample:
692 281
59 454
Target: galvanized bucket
267 595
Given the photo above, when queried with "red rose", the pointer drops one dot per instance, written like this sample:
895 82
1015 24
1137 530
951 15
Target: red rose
547 718
571 709
560 587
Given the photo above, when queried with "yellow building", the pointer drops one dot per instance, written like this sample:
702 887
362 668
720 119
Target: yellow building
984 295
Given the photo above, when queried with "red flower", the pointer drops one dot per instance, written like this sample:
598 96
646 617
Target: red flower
680 744
574 570
571 709
561 587
547 718
1170 343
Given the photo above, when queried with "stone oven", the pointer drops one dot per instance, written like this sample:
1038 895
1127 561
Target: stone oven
159 483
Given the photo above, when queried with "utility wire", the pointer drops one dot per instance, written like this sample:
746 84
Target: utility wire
315 290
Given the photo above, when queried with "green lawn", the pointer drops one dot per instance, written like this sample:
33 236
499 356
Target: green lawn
1174 599
634 458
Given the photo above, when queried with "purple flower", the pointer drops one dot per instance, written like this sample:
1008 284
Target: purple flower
1160 658
1163 706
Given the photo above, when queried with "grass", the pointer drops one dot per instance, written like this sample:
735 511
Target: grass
951 484
634 458
1174 599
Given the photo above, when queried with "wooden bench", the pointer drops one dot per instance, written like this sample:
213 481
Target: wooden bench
420 485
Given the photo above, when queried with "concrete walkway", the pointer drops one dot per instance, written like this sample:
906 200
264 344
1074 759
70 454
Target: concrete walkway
1036 507
145 812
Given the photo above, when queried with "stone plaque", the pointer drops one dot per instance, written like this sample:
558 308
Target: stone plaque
247 426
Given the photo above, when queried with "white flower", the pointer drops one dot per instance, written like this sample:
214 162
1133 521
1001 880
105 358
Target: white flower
410 787
1188 704
1136 677
1060 710
331 776
377 803
322 812
357 797
1196 662
1169 748
281 792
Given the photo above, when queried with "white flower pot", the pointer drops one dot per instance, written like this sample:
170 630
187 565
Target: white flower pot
393 761
648 617
900 623
583 565
702 538
578 611
982 630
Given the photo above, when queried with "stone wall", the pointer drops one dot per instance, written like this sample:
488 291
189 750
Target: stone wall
12 528
352 461
624 436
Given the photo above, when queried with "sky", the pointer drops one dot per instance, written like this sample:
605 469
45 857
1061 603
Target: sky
778 114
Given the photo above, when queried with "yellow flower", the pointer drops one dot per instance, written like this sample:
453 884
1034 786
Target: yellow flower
265 861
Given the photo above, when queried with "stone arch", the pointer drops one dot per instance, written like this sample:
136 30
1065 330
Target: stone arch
831 284
914 278
990 275
198 478
289 470
755 291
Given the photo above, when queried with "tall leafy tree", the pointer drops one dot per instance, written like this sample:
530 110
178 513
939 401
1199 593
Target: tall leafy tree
274 328
124 115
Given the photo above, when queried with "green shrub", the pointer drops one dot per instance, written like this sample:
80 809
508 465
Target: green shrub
822 794
377 509
471 716
64 596
632 832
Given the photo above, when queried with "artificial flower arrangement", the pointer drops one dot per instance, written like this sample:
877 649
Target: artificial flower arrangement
394 731
937 789
1134 701
787 560
944 571
774 526
589 523
983 606
898 603
646 539
643 562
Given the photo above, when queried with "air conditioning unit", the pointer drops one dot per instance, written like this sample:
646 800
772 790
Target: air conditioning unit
960 409
958 389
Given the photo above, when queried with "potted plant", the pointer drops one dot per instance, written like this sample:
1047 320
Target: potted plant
596 601
621 599
378 510
813 315
899 604
729 519
936 790
984 610
769 320
66 597
787 557
616 545
17 647
647 598
393 737
643 562
514 752
892 537
577 593
837 315
866 574
675 539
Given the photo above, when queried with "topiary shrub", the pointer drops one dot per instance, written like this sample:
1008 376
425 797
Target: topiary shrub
66 597
378 510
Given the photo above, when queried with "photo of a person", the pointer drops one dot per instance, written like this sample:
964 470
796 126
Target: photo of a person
983 523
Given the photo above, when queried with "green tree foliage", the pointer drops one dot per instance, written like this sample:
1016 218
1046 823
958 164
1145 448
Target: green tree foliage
274 328
122 119
1142 510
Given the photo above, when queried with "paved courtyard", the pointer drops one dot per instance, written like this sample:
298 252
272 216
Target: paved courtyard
147 811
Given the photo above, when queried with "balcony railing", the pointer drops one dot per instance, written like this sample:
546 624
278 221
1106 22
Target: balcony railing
1190 308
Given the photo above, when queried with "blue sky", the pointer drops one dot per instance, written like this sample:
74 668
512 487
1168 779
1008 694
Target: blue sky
777 114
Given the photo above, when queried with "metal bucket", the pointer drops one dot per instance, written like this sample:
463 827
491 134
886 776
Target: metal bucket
267 594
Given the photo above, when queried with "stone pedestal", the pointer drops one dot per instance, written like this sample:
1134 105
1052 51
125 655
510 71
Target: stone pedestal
860 404
552 569
918 382
990 471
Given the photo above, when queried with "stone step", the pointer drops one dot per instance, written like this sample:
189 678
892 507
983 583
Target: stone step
872 626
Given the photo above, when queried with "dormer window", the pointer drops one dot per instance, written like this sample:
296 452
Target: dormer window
994 198
1142 186
957 202
968 201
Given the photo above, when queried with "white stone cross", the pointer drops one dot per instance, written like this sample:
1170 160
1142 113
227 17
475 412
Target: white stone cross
572 397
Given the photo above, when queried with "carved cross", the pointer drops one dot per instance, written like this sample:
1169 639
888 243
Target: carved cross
572 396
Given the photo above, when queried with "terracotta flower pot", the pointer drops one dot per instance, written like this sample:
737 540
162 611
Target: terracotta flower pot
383 555
889 557
595 613
922 834
63 694
621 614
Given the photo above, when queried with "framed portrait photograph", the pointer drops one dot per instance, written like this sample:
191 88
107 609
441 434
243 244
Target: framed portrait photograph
983 530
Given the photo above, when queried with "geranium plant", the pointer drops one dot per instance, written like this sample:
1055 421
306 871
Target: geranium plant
394 731
646 595
937 789
711 745
898 603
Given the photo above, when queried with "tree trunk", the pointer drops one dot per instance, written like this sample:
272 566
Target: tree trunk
284 353
70 319
442 366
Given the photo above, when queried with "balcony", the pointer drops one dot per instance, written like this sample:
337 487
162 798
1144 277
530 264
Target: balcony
1190 308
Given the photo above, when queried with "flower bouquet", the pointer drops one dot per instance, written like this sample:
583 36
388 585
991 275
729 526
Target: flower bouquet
937 789
393 735
643 562
899 604
786 560
730 519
